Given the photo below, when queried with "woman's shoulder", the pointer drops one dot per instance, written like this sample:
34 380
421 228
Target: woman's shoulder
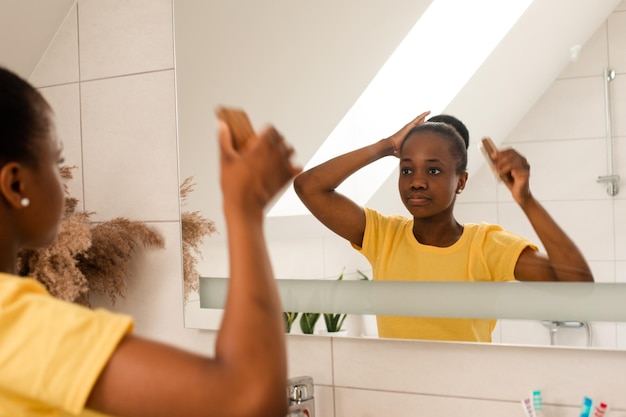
373 216
482 227
12 283
484 231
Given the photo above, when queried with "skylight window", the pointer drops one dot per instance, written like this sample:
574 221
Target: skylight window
431 65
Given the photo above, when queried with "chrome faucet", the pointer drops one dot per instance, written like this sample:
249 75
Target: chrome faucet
300 394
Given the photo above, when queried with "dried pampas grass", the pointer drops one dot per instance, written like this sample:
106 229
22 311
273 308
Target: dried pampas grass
195 228
88 257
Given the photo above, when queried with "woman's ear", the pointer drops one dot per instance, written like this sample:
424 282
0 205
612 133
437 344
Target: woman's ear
461 183
12 185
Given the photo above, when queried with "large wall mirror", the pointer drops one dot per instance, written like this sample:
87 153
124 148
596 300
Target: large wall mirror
305 67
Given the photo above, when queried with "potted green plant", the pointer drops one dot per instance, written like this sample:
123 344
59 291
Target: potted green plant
290 317
334 322
307 322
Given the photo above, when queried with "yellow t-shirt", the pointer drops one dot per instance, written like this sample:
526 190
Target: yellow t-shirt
485 252
51 351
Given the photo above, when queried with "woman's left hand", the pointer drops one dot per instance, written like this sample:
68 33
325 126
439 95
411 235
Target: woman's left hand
514 170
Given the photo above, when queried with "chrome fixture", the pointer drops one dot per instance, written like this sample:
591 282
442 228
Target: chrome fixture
611 178
554 326
300 394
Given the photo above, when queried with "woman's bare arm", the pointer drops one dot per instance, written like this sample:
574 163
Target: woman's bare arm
564 261
247 376
317 186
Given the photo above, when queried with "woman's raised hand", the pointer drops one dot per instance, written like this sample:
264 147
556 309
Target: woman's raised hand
514 169
397 138
256 175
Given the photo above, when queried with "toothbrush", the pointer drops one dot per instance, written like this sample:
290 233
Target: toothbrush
538 403
600 410
527 404
585 409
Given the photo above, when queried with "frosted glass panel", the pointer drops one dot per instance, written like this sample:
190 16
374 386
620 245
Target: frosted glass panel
561 301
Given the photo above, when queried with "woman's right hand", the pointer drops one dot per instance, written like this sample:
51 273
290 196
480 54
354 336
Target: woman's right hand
397 138
255 176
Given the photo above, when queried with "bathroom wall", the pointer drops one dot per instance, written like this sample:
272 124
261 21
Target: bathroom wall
564 139
110 76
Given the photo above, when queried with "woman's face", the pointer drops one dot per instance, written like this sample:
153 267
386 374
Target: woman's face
428 180
46 195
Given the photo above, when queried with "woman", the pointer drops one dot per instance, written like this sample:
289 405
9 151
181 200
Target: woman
57 358
431 245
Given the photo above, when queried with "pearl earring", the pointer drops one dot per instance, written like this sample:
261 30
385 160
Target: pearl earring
25 202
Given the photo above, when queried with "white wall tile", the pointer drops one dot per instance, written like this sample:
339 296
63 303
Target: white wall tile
370 403
564 170
604 335
213 259
339 255
129 147
295 227
480 371
65 103
324 401
570 109
620 230
59 64
310 356
481 186
603 271
619 163
618 106
524 332
592 58
620 271
303 258
588 223
476 212
120 37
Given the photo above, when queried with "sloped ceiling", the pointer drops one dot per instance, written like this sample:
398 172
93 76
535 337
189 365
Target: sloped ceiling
517 73
304 72
305 82
26 29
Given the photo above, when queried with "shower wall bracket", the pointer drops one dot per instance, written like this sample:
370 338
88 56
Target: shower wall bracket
611 178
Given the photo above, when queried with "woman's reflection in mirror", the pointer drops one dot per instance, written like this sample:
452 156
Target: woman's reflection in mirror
430 244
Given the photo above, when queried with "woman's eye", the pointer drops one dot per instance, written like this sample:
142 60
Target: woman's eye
405 171
434 171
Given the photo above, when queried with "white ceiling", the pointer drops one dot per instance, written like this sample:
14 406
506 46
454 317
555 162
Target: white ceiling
304 72
335 46
26 29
